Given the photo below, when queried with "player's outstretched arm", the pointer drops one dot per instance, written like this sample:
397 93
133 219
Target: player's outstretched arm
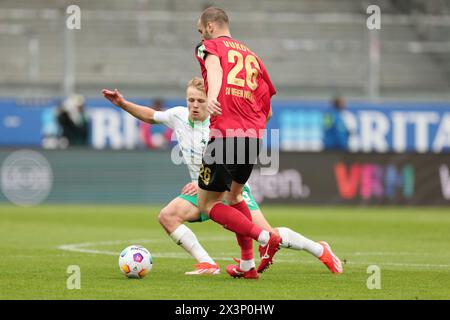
142 113
215 73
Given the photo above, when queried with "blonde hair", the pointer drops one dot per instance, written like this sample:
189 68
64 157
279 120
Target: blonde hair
196 83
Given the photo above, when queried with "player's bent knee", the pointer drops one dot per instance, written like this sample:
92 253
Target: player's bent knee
207 207
233 199
204 207
168 216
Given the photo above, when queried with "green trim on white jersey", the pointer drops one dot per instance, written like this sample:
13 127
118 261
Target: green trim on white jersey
192 136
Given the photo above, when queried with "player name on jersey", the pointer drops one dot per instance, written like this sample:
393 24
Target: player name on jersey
236 45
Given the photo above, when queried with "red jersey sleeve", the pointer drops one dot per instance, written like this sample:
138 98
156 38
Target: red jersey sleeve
266 78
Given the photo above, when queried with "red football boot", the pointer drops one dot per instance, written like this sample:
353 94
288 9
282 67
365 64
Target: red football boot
204 268
268 251
236 272
329 259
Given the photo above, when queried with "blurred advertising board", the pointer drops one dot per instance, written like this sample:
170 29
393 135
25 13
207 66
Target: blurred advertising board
386 127
80 175
356 178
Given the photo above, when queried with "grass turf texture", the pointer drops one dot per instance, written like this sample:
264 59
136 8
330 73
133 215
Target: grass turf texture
410 245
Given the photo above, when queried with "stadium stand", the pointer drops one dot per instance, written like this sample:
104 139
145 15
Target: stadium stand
311 47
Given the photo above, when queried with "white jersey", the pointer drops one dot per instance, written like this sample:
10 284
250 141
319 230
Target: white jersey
192 136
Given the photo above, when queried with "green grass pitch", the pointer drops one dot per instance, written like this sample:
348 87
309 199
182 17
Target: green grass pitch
410 245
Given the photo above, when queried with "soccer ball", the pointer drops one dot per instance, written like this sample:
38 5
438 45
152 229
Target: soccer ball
135 261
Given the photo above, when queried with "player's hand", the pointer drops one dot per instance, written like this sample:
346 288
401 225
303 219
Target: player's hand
190 189
214 108
114 96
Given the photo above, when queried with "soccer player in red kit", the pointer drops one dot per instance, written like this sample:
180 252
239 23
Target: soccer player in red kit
239 92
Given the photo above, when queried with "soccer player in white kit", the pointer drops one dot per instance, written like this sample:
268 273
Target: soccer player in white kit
191 128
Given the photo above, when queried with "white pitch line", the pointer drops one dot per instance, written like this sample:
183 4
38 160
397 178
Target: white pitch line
82 248
381 253
420 265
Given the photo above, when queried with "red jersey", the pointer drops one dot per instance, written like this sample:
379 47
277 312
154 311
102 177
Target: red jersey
246 88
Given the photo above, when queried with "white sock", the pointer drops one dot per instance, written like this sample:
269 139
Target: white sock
264 237
184 237
294 240
246 265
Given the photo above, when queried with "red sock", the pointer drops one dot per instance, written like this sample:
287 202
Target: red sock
243 208
232 219
246 243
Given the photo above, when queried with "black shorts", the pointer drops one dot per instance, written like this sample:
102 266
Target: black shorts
227 160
